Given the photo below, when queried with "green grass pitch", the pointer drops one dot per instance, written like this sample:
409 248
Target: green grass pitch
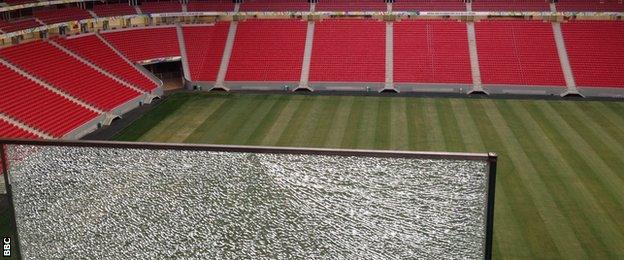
560 186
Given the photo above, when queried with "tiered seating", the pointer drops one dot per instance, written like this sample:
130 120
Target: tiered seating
351 5
52 16
511 5
274 5
108 10
26 101
590 6
19 2
204 49
431 52
596 52
10 131
210 6
145 43
93 49
429 5
161 7
348 51
13 26
518 53
63 71
267 50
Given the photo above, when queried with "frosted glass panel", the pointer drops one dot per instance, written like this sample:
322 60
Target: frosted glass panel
86 202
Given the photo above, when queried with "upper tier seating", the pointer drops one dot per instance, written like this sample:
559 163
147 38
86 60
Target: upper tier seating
210 6
18 25
518 53
10 131
511 5
52 65
596 52
93 49
351 5
431 52
429 5
590 6
267 50
30 103
161 7
108 10
348 51
204 49
274 5
19 2
145 43
52 16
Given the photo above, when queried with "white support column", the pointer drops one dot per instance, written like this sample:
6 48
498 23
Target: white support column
389 7
307 57
25 127
95 67
389 85
468 6
477 86
565 62
227 53
553 7
51 88
182 44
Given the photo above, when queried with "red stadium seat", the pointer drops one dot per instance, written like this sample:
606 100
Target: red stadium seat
596 52
145 43
52 65
268 50
93 49
30 103
431 52
204 49
518 53
348 51
10 131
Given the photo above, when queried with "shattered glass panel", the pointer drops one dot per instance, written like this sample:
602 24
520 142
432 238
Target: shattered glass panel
84 202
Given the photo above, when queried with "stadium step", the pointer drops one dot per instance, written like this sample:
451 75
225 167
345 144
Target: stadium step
389 86
565 62
227 53
50 87
90 64
25 127
185 63
477 86
304 83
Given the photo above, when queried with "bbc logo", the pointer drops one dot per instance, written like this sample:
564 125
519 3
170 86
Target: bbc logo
6 247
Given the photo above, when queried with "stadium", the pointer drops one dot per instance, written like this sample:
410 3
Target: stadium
539 83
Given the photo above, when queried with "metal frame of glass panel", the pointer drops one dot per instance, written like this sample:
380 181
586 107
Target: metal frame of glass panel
490 158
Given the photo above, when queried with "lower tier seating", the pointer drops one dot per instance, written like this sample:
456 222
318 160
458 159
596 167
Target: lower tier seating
596 52
431 52
52 65
348 51
518 53
10 131
145 43
34 105
204 49
94 50
268 50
